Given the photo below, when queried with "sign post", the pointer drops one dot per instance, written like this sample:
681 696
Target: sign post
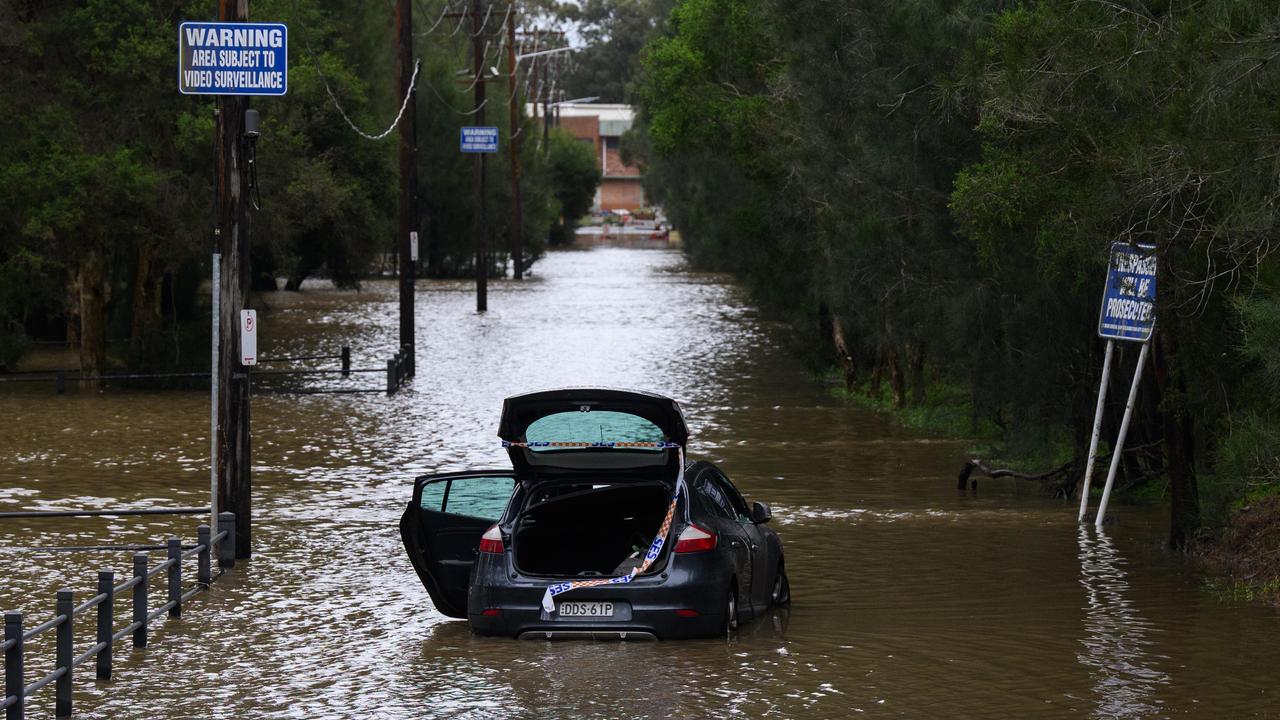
1097 427
232 59
1128 313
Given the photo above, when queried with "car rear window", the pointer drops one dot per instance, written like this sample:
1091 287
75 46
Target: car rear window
600 426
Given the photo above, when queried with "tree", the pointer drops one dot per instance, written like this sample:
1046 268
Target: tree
613 32
575 175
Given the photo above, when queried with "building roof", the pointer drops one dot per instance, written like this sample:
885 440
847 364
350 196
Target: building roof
615 119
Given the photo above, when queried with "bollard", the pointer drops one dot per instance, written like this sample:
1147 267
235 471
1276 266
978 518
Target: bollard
14 672
175 577
60 382
106 621
140 600
346 361
391 376
227 547
62 655
204 573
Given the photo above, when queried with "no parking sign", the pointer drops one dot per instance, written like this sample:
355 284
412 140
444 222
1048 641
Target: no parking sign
248 337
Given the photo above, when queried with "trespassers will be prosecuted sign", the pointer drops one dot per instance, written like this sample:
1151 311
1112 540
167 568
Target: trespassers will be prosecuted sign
1129 302
233 58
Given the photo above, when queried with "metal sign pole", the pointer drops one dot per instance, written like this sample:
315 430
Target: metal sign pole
1097 429
213 396
1124 430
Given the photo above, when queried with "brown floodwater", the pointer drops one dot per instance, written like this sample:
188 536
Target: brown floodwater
910 599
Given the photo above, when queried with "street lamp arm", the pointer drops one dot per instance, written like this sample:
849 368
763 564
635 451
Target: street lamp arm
552 51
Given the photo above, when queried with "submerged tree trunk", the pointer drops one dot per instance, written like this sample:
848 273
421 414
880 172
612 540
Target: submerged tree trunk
895 378
93 331
915 361
146 311
1179 435
73 311
843 353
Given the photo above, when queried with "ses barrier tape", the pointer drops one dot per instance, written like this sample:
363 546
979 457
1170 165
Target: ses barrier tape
655 548
548 443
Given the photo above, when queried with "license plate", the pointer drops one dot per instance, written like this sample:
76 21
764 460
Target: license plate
586 609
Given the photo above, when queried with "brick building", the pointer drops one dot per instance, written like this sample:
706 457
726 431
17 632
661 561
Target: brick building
603 125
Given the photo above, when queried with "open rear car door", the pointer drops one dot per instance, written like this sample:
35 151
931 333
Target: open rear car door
442 526
588 431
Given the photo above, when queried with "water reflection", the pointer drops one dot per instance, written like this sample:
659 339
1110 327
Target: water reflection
1116 638
908 601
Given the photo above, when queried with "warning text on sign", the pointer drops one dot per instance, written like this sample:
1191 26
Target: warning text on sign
479 139
233 58
1129 303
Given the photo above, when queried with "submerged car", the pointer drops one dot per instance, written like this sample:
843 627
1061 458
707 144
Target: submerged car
600 529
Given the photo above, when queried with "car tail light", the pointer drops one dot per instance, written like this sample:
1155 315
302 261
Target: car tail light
694 539
491 541
492 612
685 612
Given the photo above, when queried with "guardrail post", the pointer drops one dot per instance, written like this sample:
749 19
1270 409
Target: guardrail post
204 573
140 600
391 376
62 655
227 547
106 622
14 672
346 361
175 577
60 382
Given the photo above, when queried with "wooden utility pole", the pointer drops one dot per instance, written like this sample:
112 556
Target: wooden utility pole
482 250
408 174
517 223
234 486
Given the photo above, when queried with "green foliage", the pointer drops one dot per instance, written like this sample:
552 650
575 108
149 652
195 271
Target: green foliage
612 33
575 175
941 182
106 170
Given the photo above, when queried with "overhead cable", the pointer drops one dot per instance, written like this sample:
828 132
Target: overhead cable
403 104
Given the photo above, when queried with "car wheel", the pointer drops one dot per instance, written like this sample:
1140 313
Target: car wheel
731 612
781 587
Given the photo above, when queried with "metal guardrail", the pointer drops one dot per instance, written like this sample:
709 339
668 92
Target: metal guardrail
59 377
399 369
17 692
102 513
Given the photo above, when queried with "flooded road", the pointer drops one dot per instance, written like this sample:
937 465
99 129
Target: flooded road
910 600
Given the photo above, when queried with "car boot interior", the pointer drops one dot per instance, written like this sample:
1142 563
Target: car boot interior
575 530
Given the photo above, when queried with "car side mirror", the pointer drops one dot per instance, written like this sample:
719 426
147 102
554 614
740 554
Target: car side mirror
760 513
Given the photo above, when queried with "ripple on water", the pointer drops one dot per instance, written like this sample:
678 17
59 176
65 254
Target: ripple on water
910 600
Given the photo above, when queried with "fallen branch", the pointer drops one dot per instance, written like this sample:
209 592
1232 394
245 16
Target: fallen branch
1061 479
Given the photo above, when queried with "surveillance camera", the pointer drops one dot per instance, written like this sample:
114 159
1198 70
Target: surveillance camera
251 124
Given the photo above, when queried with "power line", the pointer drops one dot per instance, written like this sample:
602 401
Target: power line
443 11
403 104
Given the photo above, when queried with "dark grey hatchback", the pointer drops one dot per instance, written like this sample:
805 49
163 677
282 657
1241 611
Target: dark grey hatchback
601 529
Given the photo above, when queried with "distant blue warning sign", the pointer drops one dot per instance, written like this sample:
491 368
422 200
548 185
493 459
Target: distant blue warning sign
479 139
233 58
1129 302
